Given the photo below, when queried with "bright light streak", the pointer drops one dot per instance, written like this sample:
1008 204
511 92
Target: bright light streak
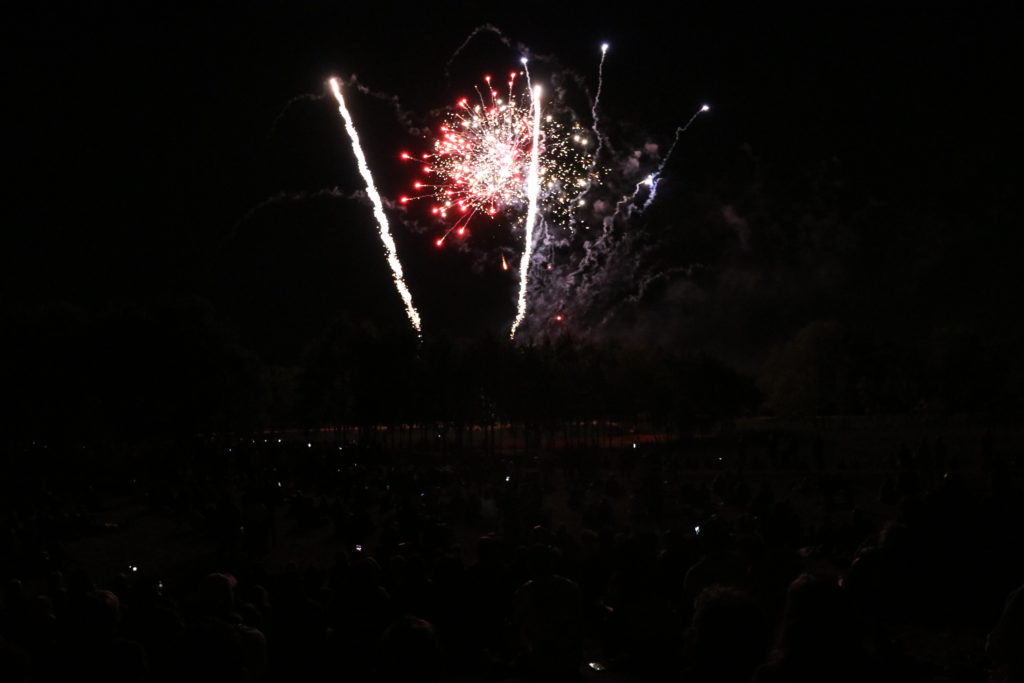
532 190
378 211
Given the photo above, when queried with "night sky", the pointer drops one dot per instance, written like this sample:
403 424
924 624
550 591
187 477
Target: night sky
857 166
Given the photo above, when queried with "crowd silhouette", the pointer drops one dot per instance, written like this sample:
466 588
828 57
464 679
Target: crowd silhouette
729 561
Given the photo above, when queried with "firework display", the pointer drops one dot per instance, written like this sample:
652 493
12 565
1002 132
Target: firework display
496 160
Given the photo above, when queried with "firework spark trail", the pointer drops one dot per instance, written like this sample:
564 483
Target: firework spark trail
682 129
526 70
473 34
532 190
305 97
625 208
597 102
652 179
378 211
402 115
594 116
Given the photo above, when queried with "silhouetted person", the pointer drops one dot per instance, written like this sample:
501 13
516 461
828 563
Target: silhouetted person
1005 643
94 649
409 651
819 639
727 638
548 612
218 645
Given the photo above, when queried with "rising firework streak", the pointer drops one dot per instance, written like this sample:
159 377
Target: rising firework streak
532 190
378 211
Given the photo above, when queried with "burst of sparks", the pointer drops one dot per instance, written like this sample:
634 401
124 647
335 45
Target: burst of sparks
481 158
378 211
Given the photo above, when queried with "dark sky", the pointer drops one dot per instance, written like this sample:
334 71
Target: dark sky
858 164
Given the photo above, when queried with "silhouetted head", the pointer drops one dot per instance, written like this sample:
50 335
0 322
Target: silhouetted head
543 560
1005 644
217 594
728 634
409 651
818 622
